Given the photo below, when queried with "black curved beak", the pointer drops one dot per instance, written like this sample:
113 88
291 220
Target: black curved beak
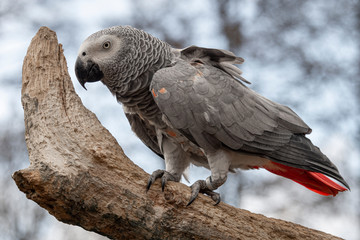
87 72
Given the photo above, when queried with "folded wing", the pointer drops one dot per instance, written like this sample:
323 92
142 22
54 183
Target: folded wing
202 98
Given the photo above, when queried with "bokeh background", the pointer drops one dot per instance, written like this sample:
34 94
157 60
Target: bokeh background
304 54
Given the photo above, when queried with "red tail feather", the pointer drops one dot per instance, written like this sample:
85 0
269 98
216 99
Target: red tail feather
314 181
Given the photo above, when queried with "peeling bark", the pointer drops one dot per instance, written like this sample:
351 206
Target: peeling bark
80 174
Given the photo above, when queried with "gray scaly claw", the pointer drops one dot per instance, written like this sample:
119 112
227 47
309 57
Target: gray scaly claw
155 175
200 187
214 196
165 177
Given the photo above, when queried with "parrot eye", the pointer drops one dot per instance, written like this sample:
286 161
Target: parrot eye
106 45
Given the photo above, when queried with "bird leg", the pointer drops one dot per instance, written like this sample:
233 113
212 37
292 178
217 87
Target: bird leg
219 163
206 186
176 162
164 175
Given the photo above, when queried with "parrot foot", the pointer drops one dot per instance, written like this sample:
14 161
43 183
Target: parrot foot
165 177
200 187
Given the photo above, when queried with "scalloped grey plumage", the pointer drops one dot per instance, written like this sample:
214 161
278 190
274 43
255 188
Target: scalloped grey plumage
190 106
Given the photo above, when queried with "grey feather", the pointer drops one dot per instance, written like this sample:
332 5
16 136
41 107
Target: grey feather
145 132
240 118
219 58
194 100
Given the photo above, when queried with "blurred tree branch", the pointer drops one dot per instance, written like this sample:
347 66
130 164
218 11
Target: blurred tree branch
79 173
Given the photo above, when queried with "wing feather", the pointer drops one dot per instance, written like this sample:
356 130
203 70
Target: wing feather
212 108
230 112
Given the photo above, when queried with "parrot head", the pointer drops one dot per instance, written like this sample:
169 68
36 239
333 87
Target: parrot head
101 55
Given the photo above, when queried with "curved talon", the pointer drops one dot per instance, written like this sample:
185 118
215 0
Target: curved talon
163 182
193 197
150 182
155 175
217 201
165 177
200 186
148 185
214 196
195 189
168 177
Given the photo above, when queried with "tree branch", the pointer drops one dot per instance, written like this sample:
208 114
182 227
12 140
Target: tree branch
80 174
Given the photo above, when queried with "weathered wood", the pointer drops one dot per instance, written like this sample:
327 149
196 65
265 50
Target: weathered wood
80 174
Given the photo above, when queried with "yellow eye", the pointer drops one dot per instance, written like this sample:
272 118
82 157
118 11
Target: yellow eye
106 45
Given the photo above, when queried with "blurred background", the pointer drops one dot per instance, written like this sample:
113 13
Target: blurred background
304 54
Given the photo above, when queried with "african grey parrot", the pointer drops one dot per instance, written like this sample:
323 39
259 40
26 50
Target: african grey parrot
190 106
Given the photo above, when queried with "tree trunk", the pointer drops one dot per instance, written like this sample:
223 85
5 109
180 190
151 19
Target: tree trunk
80 174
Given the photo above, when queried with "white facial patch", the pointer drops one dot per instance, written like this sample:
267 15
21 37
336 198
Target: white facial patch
101 48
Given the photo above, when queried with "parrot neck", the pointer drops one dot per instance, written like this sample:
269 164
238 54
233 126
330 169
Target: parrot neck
134 91
151 54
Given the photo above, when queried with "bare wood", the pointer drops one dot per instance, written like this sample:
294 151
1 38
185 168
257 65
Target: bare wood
80 174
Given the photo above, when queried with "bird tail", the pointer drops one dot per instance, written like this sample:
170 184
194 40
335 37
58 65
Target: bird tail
314 181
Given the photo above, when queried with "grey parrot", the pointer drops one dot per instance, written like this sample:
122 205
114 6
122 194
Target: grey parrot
191 105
